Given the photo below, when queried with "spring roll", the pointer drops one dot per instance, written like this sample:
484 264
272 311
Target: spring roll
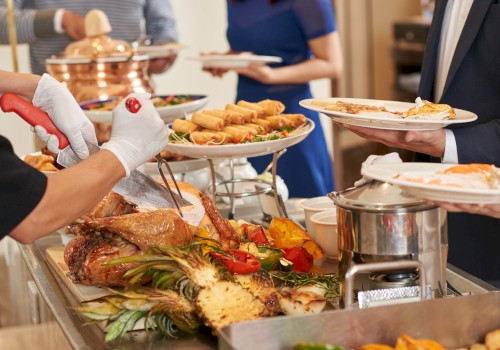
184 126
224 137
275 122
253 106
250 115
250 130
236 117
264 124
256 127
236 133
204 137
207 121
271 107
224 115
296 119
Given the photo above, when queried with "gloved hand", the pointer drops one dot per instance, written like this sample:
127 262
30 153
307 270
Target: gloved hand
54 98
136 135
389 158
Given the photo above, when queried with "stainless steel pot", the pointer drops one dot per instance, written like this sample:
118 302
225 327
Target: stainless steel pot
378 222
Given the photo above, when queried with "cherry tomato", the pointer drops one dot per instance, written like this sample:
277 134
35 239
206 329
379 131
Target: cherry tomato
238 262
302 260
133 105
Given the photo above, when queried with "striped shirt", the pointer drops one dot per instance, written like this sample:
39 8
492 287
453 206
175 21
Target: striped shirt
129 20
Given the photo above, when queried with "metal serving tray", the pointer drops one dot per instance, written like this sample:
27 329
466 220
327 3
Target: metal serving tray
454 322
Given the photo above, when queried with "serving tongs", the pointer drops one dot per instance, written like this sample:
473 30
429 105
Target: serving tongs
160 161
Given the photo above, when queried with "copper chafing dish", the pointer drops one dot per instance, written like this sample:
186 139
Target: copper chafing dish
99 67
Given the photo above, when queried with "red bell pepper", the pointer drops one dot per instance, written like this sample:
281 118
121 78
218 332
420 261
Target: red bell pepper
257 235
238 262
301 258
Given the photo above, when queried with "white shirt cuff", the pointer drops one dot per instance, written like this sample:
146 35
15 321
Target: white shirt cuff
450 149
58 21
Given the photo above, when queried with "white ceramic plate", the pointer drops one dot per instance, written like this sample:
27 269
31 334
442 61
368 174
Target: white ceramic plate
158 51
167 113
235 61
382 120
244 150
387 172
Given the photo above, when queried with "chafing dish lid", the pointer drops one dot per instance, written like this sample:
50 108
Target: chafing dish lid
378 196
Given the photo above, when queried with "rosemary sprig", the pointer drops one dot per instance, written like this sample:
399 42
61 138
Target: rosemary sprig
329 281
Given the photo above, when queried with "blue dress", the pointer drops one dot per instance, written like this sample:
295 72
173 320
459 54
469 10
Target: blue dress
283 29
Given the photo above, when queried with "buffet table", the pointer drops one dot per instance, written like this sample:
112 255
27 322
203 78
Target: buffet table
90 336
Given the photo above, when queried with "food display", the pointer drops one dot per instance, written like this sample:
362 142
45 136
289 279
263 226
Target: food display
180 277
238 123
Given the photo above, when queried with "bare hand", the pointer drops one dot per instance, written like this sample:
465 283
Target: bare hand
259 72
428 142
73 24
161 64
492 210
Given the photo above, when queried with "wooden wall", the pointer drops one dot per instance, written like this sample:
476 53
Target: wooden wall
366 29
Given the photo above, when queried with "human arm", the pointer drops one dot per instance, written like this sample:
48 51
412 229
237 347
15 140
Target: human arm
492 210
326 62
34 24
161 28
135 138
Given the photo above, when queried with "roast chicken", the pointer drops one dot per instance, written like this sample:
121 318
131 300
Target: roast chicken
116 228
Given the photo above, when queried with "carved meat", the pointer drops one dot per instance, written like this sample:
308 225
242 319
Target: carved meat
85 255
112 204
148 229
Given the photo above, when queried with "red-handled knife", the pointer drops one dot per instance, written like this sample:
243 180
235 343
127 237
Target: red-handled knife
138 187
33 115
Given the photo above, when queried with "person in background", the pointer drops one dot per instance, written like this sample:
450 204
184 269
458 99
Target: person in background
303 33
33 204
461 68
49 26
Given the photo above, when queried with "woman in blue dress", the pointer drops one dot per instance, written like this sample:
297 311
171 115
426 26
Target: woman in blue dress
303 33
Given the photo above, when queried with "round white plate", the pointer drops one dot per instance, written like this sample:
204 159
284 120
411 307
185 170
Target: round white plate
383 120
167 113
388 172
243 150
158 51
235 61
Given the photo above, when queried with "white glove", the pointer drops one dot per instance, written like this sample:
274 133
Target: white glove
389 158
136 137
54 98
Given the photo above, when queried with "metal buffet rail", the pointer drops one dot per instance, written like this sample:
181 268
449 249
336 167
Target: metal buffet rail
90 336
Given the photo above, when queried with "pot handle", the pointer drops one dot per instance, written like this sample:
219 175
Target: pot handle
381 266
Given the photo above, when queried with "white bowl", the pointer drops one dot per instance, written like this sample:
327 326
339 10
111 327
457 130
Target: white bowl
312 206
325 223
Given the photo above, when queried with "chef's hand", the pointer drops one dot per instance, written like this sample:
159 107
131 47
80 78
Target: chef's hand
161 64
137 134
427 142
73 24
389 158
54 98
